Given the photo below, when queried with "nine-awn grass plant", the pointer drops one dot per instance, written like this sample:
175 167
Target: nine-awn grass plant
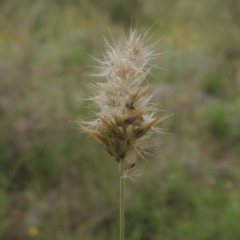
125 118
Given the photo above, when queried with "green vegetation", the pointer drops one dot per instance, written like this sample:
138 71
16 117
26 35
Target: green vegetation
58 184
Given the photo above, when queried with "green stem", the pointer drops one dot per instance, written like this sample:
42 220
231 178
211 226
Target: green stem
122 190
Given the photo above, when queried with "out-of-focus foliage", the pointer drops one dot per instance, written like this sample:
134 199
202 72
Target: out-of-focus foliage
58 184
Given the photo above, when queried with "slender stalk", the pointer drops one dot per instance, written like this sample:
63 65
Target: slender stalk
122 191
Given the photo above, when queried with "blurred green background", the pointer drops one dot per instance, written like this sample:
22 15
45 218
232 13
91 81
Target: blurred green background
56 183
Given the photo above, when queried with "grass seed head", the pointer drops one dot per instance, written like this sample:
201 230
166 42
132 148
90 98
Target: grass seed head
125 118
